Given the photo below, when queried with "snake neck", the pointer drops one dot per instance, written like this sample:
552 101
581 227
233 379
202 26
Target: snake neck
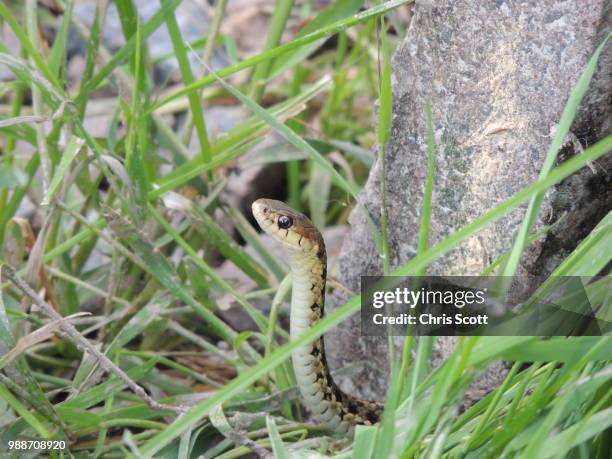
322 396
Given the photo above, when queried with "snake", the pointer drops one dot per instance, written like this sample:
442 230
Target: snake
307 258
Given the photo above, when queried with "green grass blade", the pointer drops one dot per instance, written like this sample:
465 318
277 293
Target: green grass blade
560 444
385 112
58 50
277 25
363 155
278 448
137 323
384 440
365 440
25 414
99 393
18 194
337 11
195 105
491 347
294 167
24 72
130 23
93 46
134 154
319 188
72 149
428 191
561 350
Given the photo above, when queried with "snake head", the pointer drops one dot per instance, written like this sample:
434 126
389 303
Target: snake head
293 229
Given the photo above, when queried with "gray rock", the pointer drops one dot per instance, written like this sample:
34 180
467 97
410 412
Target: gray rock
498 75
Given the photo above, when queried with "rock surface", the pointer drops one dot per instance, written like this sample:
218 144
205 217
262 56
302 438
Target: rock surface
498 75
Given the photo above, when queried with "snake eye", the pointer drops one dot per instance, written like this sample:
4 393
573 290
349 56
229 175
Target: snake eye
284 222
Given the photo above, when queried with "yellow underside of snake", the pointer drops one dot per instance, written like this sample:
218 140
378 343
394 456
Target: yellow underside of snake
308 260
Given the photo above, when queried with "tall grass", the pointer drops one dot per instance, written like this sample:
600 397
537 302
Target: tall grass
164 375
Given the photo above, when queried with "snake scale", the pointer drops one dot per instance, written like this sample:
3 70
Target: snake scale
308 260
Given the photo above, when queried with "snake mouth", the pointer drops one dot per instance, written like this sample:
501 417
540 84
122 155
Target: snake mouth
262 214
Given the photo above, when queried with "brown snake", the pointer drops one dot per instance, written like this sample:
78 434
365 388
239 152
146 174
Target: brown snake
308 260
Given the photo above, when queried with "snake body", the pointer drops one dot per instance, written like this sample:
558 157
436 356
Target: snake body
308 260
